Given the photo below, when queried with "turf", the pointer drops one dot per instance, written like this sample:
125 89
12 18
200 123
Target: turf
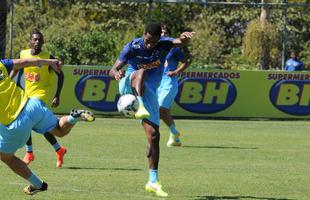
219 160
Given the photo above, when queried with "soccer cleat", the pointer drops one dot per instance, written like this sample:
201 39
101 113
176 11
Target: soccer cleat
155 188
142 112
31 190
28 158
60 153
82 115
174 140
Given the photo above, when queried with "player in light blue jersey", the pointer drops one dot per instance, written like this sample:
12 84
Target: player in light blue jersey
168 88
294 64
145 57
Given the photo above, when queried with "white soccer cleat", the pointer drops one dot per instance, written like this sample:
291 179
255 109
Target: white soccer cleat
174 140
82 115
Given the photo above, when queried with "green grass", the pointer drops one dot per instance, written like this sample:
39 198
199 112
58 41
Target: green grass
219 160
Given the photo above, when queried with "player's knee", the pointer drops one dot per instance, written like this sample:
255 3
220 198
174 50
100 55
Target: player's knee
155 137
148 150
5 157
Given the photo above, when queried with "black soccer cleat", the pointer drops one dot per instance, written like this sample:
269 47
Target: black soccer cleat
82 115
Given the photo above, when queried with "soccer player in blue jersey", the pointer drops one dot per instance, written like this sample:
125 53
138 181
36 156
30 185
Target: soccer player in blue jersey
145 57
20 114
294 64
168 88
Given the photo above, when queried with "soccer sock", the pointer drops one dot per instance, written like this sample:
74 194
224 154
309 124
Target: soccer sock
153 174
72 120
29 148
140 100
56 146
35 181
173 130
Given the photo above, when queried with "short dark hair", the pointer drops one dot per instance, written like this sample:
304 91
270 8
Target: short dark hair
35 31
153 29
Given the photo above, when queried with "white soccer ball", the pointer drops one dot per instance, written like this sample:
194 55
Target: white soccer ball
128 104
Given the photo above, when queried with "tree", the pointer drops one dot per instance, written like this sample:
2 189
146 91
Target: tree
3 10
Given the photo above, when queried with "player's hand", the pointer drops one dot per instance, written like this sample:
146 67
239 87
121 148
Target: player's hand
55 102
56 64
119 75
186 36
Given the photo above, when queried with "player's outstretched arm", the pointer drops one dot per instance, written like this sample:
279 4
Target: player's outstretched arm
21 63
183 39
116 71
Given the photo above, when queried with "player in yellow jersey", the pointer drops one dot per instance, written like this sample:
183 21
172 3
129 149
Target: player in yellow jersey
38 83
20 114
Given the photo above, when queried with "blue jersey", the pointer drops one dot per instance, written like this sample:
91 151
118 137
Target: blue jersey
173 58
294 65
138 57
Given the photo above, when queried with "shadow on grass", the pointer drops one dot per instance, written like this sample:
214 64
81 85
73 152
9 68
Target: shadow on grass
218 147
103 168
237 197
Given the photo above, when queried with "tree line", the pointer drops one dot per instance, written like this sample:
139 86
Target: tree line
230 37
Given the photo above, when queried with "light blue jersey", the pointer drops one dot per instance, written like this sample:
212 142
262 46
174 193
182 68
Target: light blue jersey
294 65
138 57
169 85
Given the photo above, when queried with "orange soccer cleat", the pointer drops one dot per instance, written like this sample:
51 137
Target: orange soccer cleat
60 153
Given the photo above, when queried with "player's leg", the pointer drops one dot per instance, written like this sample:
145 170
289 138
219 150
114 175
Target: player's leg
21 169
29 156
137 82
166 93
151 128
153 137
174 134
66 123
59 150
13 137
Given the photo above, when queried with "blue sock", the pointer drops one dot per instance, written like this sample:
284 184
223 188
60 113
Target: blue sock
56 146
29 148
173 130
153 174
35 181
140 99
72 120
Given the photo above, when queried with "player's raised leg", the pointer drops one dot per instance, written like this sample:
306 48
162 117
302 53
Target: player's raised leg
137 80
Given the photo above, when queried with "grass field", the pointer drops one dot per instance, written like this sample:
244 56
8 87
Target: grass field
219 160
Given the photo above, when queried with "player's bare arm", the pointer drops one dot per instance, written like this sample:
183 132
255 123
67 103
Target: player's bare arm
21 63
117 71
184 64
183 39
56 99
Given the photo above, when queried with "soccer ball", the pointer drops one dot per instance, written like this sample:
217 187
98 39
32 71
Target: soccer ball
128 104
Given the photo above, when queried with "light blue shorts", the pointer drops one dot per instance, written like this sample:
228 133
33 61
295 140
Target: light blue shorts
150 98
167 91
35 116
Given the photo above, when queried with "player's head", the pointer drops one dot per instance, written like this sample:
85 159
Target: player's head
36 40
294 54
165 31
152 35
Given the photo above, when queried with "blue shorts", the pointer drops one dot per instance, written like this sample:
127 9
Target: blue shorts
150 98
35 116
167 91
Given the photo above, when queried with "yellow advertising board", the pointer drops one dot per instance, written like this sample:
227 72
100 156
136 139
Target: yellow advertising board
201 93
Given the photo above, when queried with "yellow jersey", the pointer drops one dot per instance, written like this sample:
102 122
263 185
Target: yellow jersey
12 98
38 79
